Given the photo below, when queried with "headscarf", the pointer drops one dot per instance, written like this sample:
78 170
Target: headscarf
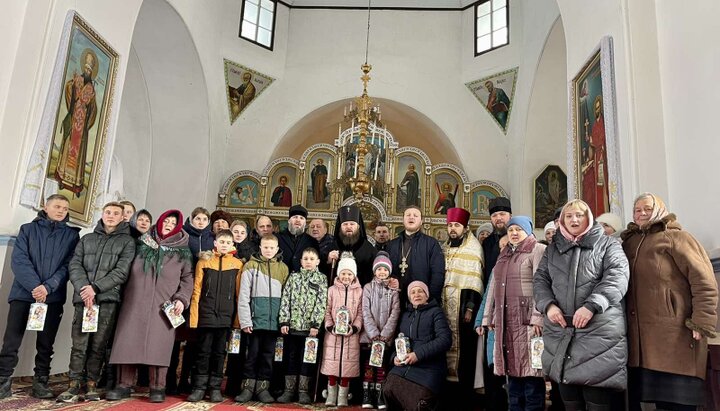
659 210
564 230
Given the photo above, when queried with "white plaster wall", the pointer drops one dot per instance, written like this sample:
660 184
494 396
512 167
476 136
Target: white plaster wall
13 16
689 63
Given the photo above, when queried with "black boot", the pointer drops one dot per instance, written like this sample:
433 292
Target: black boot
289 392
247 391
214 389
303 390
262 392
157 395
198 393
5 387
367 401
171 387
40 388
118 393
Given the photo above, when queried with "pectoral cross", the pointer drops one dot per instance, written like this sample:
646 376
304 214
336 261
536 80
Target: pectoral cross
403 266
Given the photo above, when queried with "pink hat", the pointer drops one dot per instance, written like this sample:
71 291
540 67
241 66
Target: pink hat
418 283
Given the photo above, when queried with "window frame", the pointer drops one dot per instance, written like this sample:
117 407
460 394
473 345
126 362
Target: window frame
475 26
272 30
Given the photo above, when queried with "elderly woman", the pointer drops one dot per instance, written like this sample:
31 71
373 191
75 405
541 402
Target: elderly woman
579 285
161 271
671 306
510 312
415 384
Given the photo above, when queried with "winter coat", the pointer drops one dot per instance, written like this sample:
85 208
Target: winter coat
426 263
672 292
199 240
593 273
245 250
341 353
490 345
292 248
511 309
430 338
103 261
144 334
381 311
491 252
41 255
261 286
304 300
217 284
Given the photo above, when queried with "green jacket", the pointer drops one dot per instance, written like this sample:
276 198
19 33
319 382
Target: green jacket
303 301
261 287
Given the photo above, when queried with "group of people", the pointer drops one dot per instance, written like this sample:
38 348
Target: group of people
403 323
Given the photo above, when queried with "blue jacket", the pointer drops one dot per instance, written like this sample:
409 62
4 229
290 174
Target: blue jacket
200 240
430 339
41 255
489 357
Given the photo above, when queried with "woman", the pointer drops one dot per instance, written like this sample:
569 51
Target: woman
243 246
484 231
140 223
161 272
415 384
579 285
509 311
671 308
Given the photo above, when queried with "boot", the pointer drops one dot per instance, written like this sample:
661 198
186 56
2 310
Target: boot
92 393
332 395
199 388
6 387
40 388
72 393
214 388
248 389
591 406
118 393
262 393
156 395
171 387
367 402
380 397
303 390
289 393
342 399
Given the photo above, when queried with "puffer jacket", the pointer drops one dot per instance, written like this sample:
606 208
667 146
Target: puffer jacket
40 256
430 339
103 261
341 353
593 273
261 287
381 311
217 283
303 303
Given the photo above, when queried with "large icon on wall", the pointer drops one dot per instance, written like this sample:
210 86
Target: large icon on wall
244 193
446 188
242 86
318 193
496 93
283 186
550 189
409 174
480 196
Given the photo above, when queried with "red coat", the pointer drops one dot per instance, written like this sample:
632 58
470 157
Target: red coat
341 354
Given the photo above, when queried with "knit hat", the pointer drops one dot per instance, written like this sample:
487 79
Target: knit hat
347 262
297 209
549 226
418 283
500 204
523 222
458 215
484 227
613 220
220 215
382 260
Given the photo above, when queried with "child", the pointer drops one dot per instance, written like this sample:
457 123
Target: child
258 307
381 310
302 311
212 308
341 354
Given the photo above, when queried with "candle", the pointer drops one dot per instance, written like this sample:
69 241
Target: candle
372 139
345 111
339 129
352 126
377 160
356 164
339 168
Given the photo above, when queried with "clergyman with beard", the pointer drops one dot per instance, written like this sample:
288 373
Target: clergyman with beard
500 213
461 300
294 239
350 236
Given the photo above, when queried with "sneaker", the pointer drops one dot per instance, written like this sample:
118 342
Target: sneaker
92 394
72 394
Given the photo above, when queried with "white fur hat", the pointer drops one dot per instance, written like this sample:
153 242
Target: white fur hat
347 262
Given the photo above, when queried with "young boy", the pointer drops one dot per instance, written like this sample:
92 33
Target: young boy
217 279
98 269
302 311
260 287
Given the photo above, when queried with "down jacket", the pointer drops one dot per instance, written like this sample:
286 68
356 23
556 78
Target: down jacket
341 354
41 255
103 261
381 311
261 286
217 285
430 339
672 292
593 273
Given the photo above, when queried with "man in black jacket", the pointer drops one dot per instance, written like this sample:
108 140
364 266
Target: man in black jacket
98 269
40 260
294 239
381 236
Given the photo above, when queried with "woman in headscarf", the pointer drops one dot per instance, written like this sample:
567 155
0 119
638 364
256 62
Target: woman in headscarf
161 272
671 306
140 223
579 285
510 311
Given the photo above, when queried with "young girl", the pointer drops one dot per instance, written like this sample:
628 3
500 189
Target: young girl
381 310
302 311
341 355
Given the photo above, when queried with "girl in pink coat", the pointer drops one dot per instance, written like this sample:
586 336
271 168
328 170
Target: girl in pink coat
341 353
